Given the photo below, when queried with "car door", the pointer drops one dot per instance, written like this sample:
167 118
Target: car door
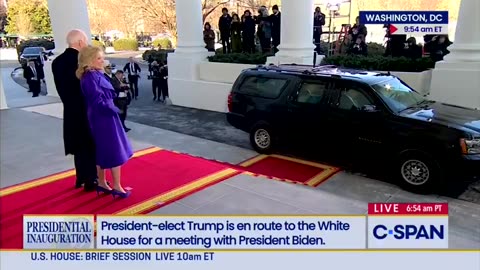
356 120
306 109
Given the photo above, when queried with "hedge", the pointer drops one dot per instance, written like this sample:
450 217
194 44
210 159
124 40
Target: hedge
157 55
98 43
240 58
380 63
125 44
48 45
374 48
163 43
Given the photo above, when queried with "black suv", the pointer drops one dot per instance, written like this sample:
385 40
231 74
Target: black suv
368 116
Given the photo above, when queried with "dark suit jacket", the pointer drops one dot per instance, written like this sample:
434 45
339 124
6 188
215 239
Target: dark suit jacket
129 72
76 129
116 84
28 73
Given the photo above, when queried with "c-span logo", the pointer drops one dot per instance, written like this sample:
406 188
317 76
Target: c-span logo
409 231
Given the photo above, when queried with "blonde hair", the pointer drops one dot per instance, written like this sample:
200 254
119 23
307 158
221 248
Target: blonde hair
85 58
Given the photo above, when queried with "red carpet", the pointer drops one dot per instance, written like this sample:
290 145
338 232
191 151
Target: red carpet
149 176
288 169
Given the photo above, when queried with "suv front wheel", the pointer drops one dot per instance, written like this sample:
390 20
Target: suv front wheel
262 137
418 172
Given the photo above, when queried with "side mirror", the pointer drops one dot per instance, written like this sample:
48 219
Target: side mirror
369 108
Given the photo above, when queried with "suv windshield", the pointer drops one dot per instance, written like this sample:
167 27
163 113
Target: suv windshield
397 95
32 50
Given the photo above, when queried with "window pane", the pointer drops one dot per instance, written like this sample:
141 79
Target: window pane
263 87
311 93
397 95
352 99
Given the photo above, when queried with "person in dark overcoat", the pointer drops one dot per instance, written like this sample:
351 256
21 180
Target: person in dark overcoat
276 19
248 32
77 135
34 75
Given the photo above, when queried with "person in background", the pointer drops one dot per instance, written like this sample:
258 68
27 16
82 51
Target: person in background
209 37
133 70
437 47
150 61
276 20
113 148
318 23
107 69
121 100
34 75
358 30
264 31
77 137
157 93
412 49
164 82
236 33
248 32
358 47
224 24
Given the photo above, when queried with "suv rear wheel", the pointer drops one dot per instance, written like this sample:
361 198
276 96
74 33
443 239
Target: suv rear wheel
418 172
262 137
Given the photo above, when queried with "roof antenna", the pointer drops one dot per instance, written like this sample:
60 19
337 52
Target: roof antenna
314 58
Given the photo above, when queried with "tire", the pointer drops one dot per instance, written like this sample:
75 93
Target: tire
262 137
418 172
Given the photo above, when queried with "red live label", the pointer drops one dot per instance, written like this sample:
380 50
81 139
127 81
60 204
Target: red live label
408 209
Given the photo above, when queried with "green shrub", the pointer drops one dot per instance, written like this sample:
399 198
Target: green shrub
240 58
375 49
164 43
98 43
48 45
380 63
125 44
157 55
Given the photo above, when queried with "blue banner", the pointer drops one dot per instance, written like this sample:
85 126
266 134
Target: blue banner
404 17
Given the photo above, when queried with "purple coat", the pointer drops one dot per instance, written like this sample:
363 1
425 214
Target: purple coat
112 145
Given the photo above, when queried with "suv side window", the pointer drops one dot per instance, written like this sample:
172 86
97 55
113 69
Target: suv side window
263 86
351 98
311 92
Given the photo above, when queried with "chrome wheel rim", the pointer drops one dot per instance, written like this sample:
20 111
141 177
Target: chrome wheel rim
262 138
415 172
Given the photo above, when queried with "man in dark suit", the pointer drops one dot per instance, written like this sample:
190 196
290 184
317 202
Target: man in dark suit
77 136
34 74
122 100
133 70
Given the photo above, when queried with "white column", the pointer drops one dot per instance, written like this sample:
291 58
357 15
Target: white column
65 15
184 84
296 45
3 99
466 46
189 26
456 79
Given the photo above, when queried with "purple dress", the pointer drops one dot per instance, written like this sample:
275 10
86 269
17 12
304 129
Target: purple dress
112 145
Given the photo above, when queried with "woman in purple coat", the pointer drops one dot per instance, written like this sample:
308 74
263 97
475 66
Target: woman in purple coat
113 148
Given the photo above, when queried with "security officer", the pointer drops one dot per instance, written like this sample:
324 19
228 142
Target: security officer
156 81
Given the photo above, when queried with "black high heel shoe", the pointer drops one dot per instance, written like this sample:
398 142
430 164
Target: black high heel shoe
122 195
103 190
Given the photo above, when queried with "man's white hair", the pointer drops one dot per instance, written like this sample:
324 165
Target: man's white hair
76 35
